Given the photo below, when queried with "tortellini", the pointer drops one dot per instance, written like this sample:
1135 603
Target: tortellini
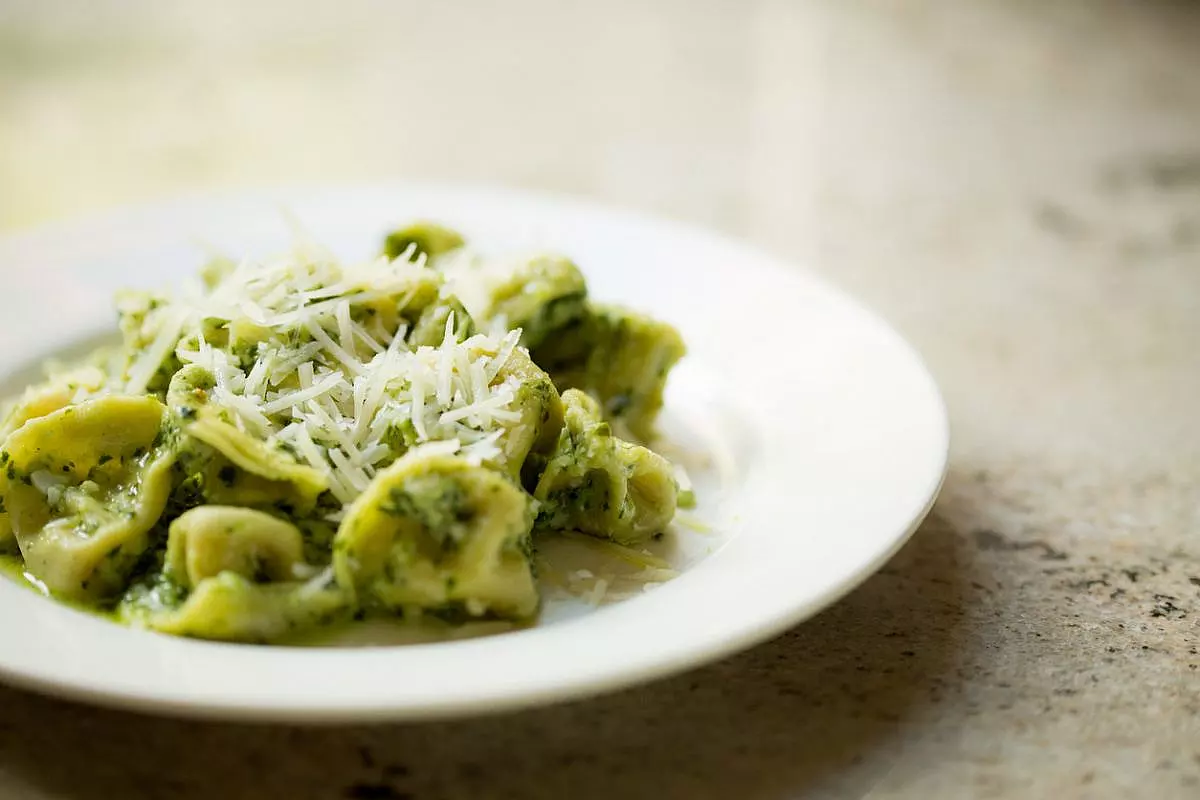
430 327
38 401
229 466
618 356
540 295
541 412
232 607
599 484
84 486
234 573
434 531
421 311
209 540
534 430
424 237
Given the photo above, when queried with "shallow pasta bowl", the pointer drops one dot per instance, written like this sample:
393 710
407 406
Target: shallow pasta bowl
819 442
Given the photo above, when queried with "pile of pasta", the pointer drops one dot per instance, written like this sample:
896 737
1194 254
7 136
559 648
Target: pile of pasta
298 442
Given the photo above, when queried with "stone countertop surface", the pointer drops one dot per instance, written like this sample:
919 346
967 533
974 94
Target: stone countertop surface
1014 184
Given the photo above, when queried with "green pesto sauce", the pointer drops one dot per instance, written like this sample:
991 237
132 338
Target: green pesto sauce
13 567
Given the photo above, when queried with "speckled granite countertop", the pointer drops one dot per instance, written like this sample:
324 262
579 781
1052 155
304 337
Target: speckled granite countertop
1014 184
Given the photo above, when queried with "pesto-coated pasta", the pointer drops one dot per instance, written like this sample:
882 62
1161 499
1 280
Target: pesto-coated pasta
228 465
435 531
299 443
208 540
620 357
230 606
83 486
539 295
599 484
424 238
38 401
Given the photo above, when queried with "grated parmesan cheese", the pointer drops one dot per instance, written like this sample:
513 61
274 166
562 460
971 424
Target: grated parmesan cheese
325 377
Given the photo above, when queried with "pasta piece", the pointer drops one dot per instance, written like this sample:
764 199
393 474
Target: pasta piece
422 310
621 358
539 296
230 607
404 309
422 237
432 531
430 326
209 540
540 410
242 470
38 401
83 487
225 465
233 574
602 485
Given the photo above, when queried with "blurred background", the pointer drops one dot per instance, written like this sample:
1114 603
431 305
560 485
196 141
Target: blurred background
952 163
1015 184
703 109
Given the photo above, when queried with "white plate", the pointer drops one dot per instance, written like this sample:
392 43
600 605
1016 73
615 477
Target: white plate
827 438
